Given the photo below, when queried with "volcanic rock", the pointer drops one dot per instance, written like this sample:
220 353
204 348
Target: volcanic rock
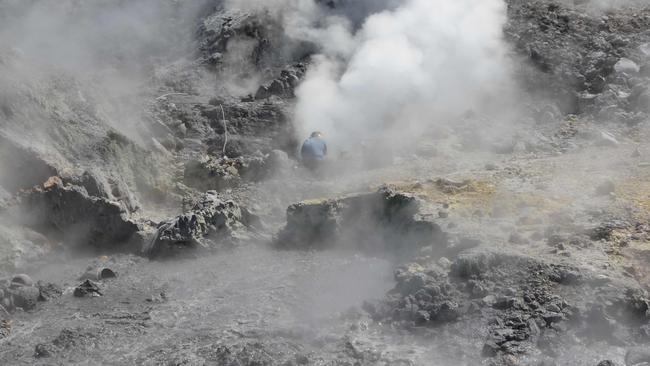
87 289
20 291
211 222
216 174
380 222
80 218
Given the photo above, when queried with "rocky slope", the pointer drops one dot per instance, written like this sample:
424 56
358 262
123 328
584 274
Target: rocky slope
527 249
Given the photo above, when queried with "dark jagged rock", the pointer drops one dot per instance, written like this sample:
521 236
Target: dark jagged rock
380 222
81 219
87 289
211 222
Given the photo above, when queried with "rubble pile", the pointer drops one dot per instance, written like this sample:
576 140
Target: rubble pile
594 63
220 173
223 353
379 222
211 223
21 292
519 303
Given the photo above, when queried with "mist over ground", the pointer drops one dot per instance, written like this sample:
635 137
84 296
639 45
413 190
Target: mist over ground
483 200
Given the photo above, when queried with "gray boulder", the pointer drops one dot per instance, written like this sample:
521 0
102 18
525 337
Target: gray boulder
380 222
78 217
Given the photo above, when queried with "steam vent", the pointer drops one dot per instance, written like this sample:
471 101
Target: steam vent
325 182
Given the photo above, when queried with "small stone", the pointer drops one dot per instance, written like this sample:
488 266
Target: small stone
44 350
88 288
625 65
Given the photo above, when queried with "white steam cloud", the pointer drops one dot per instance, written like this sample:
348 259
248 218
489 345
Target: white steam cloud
422 63
110 48
390 70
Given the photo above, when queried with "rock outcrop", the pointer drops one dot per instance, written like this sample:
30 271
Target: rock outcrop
379 222
70 214
211 223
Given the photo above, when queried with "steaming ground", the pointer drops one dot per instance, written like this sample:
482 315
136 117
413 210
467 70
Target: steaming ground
307 303
519 127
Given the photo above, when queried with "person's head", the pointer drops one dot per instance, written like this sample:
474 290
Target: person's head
316 134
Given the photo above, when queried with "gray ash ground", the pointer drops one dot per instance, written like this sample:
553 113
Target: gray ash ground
525 248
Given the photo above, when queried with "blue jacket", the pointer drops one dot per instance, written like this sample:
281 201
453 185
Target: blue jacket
314 148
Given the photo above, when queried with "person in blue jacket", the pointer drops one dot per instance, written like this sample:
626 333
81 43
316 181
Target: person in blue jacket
313 151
